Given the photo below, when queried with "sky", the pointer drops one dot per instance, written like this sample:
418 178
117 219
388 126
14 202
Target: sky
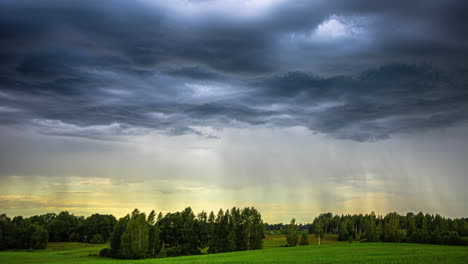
294 107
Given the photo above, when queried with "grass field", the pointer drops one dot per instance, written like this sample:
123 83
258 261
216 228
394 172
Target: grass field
382 253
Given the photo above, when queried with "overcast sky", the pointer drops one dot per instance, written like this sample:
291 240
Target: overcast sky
294 107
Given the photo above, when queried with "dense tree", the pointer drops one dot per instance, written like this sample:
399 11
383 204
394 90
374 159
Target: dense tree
304 239
38 238
292 235
184 233
343 233
256 228
346 231
318 229
180 231
98 228
223 233
134 241
154 240
416 228
116 238
371 232
211 223
203 229
62 226
43 220
392 229
21 233
410 225
421 234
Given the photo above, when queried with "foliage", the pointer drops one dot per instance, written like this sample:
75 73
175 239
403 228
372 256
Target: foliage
98 228
21 233
304 241
134 241
38 237
292 235
62 226
154 240
116 237
413 228
184 233
105 252
97 239
371 231
392 229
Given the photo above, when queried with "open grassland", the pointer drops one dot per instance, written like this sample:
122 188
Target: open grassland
382 253
280 240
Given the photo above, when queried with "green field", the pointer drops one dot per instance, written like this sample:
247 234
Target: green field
326 253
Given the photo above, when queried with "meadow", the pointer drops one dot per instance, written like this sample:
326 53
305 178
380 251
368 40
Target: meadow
329 252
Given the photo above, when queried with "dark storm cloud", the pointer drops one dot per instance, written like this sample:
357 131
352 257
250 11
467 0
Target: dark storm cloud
90 68
376 103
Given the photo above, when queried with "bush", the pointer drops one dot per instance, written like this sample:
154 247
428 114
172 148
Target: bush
105 252
464 241
450 238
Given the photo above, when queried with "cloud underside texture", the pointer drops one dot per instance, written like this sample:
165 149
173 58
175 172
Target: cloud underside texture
352 70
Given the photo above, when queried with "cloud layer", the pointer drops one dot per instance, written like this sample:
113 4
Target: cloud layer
356 70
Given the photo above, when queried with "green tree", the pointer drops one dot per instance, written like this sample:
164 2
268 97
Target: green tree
151 218
304 239
97 228
392 229
343 233
154 241
292 234
134 241
318 230
97 239
371 233
116 237
39 237
62 226
256 229
410 226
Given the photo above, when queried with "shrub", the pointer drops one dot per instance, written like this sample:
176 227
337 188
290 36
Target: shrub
105 252
450 238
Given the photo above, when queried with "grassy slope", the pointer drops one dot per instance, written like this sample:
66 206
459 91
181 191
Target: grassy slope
327 253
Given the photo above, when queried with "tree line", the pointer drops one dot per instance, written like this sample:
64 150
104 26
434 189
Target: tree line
139 236
184 233
410 228
36 231
21 233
